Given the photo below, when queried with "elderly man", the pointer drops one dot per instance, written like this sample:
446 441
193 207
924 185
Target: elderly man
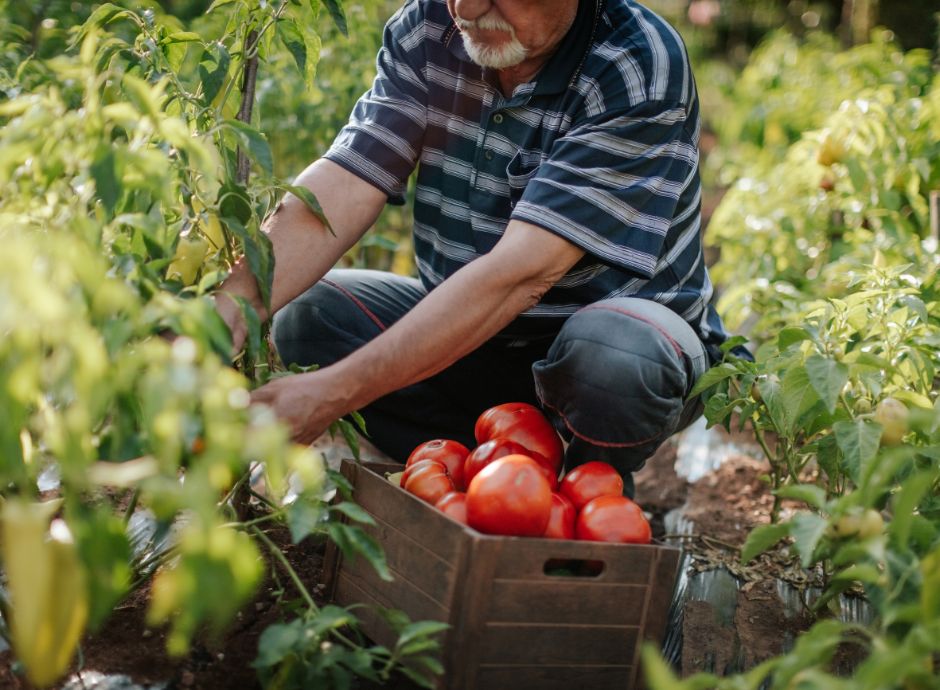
557 235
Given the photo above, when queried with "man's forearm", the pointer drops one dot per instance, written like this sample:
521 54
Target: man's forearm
455 318
304 249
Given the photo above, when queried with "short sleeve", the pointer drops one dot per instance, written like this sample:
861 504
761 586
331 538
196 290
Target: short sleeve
382 141
614 185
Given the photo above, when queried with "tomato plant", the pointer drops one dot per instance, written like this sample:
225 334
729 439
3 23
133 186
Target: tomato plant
615 519
451 454
524 424
510 496
590 480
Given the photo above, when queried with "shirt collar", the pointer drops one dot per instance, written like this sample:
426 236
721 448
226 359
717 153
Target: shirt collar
565 63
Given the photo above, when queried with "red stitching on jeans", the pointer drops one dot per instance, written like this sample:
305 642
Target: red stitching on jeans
357 302
668 337
593 441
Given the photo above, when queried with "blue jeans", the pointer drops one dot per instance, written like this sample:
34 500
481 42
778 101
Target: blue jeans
613 378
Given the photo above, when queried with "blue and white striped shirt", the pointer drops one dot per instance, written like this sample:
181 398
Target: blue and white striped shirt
601 149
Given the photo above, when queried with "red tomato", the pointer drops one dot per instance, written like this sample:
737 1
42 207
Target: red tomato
411 468
451 453
428 480
510 496
561 520
498 448
615 519
524 424
590 480
454 506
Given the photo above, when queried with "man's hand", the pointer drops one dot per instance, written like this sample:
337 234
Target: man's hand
306 402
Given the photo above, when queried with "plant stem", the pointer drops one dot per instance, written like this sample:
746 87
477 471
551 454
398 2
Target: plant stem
132 506
249 80
288 568
295 578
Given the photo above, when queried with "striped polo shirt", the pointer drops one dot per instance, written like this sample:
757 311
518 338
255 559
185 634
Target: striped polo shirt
601 149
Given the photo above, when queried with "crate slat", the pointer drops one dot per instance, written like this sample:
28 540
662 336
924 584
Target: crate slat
528 644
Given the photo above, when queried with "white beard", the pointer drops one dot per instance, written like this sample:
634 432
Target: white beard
507 54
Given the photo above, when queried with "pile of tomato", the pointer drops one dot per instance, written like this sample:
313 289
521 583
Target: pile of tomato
509 483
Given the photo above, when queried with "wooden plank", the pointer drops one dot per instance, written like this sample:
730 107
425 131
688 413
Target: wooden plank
622 563
398 594
474 587
554 677
421 566
395 506
662 579
539 644
577 602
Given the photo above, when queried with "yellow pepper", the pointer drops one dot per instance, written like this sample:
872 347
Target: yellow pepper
48 588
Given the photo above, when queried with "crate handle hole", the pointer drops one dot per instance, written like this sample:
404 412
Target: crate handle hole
573 567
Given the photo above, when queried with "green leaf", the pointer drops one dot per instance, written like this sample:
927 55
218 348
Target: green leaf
294 42
107 184
762 538
420 629
360 422
713 376
219 3
336 13
277 642
807 529
859 572
799 396
354 511
772 393
142 96
253 325
904 505
254 144
810 494
353 540
349 435
858 440
310 199
733 342
303 518
331 617
930 592
790 336
341 483
828 378
213 68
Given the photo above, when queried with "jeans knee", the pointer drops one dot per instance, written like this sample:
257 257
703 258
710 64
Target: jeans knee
613 379
317 327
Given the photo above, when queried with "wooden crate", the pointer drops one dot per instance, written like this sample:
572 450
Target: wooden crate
512 626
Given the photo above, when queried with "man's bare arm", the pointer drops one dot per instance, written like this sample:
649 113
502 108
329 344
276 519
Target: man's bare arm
455 318
304 250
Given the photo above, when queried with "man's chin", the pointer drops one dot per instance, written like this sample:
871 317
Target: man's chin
495 57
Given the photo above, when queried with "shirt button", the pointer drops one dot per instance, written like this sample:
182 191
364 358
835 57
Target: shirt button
498 118
488 155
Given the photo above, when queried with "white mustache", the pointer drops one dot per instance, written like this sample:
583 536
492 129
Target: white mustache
487 22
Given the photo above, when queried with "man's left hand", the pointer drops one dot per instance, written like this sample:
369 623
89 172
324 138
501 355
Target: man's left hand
301 401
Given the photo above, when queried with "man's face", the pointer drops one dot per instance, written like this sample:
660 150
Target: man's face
505 33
